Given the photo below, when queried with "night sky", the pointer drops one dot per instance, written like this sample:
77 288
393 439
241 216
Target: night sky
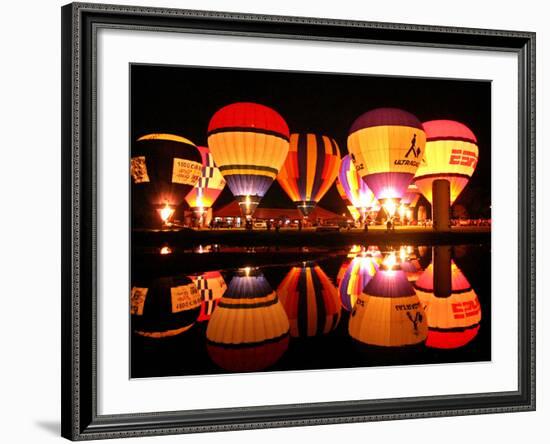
181 100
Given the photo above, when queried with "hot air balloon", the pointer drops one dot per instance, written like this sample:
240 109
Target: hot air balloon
164 307
164 168
451 153
209 186
357 191
249 143
211 287
388 312
249 329
454 320
387 145
310 301
360 271
309 170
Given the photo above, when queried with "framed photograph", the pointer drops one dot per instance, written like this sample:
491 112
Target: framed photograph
278 221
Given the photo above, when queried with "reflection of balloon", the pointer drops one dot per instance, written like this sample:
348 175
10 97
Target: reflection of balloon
211 286
409 263
210 185
388 313
374 252
164 307
357 191
387 145
360 271
310 300
309 169
249 143
454 320
451 153
249 328
164 168
342 270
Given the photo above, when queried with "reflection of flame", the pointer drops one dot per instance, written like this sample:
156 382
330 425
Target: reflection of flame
166 212
247 271
166 250
390 261
247 202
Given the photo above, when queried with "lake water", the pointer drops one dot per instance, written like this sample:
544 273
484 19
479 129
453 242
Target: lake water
302 308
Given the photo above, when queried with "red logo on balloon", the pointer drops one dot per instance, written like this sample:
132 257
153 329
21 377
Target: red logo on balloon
463 157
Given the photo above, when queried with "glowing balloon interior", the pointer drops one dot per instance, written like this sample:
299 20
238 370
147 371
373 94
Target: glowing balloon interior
164 168
451 153
309 170
355 189
209 186
387 145
249 144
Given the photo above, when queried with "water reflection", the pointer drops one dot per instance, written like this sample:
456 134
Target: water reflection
211 287
164 307
249 329
388 312
310 300
357 275
401 304
451 304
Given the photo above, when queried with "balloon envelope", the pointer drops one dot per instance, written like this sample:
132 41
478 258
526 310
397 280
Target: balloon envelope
249 143
356 190
210 184
164 168
309 170
387 145
451 153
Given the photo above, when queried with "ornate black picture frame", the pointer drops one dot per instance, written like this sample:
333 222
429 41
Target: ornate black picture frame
80 23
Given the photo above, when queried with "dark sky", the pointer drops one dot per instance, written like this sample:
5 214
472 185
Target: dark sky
181 100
